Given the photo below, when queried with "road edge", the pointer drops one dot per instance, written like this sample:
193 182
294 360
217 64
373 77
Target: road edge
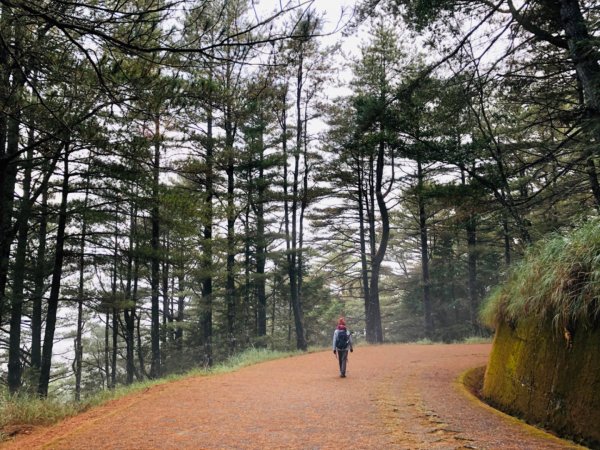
466 389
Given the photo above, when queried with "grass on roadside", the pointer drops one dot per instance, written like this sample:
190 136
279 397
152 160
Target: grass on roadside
426 341
559 279
476 340
24 411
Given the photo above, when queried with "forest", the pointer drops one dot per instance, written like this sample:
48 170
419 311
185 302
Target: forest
181 180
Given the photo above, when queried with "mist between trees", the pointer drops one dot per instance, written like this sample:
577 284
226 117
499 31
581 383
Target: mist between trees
167 199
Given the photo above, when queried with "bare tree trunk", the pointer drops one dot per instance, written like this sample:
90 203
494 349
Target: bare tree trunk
167 318
115 307
155 369
230 291
582 52
140 348
81 292
362 237
39 285
248 285
303 206
180 307
8 178
286 205
107 346
130 295
424 253
588 155
56 282
370 204
471 229
114 347
261 247
370 200
286 208
8 149
207 264
14 349
374 328
293 268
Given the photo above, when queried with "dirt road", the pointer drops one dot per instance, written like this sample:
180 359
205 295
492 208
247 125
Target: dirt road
394 397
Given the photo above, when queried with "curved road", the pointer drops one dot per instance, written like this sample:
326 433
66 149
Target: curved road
394 397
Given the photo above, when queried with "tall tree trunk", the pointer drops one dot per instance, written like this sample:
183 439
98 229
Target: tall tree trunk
362 238
81 292
296 297
114 347
79 343
40 271
303 206
8 148
107 346
286 207
370 204
588 156
140 349
277 286
370 200
56 282
14 350
261 246
580 45
248 286
471 229
230 292
207 263
130 295
166 316
583 53
155 259
8 179
39 288
115 308
423 231
374 328
180 305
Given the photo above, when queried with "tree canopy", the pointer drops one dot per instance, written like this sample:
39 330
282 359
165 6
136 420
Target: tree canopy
180 181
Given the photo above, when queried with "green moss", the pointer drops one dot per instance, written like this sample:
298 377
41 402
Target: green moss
545 362
536 375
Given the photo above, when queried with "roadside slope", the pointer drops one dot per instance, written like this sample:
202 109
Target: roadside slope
397 396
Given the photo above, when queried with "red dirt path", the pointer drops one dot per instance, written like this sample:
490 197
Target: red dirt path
394 397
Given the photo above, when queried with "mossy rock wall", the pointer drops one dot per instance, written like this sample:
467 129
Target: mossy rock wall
535 375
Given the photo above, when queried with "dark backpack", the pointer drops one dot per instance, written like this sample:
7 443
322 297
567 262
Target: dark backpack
342 340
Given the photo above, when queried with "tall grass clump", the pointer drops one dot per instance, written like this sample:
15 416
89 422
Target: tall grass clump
31 410
558 279
249 357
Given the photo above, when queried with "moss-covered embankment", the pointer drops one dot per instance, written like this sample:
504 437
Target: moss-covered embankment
545 361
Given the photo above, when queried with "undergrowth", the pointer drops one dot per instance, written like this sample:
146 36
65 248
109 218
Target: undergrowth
20 411
558 279
476 340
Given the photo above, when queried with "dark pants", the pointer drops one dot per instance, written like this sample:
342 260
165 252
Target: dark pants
343 360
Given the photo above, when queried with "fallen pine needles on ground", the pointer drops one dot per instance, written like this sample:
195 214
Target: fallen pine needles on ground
19 413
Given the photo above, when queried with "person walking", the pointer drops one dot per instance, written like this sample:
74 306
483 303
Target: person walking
342 342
